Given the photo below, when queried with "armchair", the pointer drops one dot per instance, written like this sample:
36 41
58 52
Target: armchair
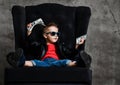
72 21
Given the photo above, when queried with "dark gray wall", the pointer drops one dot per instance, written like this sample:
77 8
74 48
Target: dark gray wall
103 40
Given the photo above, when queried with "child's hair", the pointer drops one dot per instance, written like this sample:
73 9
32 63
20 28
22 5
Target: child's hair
49 25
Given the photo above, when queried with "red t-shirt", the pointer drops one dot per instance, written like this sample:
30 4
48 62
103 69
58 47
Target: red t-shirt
51 52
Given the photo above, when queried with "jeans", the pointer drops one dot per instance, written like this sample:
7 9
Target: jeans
48 62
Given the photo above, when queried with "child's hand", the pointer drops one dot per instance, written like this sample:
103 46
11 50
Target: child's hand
81 42
28 31
29 25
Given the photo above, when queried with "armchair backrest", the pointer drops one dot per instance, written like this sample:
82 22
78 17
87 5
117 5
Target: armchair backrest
72 21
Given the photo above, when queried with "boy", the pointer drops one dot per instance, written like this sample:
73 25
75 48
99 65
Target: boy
52 55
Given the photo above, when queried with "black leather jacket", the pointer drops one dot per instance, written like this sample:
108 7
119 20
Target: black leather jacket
38 50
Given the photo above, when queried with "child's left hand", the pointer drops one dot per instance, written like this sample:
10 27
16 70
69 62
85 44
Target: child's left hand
81 42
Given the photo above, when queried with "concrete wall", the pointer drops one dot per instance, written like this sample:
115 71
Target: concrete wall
103 41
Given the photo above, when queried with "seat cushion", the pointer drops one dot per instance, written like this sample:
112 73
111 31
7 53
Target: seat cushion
49 74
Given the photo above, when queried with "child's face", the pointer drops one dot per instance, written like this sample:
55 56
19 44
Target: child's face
51 34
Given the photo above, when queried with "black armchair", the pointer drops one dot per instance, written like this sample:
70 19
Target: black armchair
72 21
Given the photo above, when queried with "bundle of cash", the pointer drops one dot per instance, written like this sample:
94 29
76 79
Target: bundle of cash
38 21
79 38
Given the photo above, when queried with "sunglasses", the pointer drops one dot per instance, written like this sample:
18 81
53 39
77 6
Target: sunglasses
53 33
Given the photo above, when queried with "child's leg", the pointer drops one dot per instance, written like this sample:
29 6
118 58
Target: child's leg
62 63
37 63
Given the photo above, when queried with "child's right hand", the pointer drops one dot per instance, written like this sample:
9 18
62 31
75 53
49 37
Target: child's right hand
28 31
29 25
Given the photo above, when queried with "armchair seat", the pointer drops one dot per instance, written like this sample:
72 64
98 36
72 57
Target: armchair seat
48 76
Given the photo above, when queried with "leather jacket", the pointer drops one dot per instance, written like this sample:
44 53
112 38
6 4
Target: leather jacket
38 50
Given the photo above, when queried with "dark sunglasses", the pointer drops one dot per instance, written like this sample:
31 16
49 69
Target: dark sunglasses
53 33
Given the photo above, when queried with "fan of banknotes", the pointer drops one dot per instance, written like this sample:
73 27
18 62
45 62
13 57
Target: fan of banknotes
38 21
79 38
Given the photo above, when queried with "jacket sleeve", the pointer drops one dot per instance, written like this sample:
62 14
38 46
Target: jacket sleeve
33 48
69 53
